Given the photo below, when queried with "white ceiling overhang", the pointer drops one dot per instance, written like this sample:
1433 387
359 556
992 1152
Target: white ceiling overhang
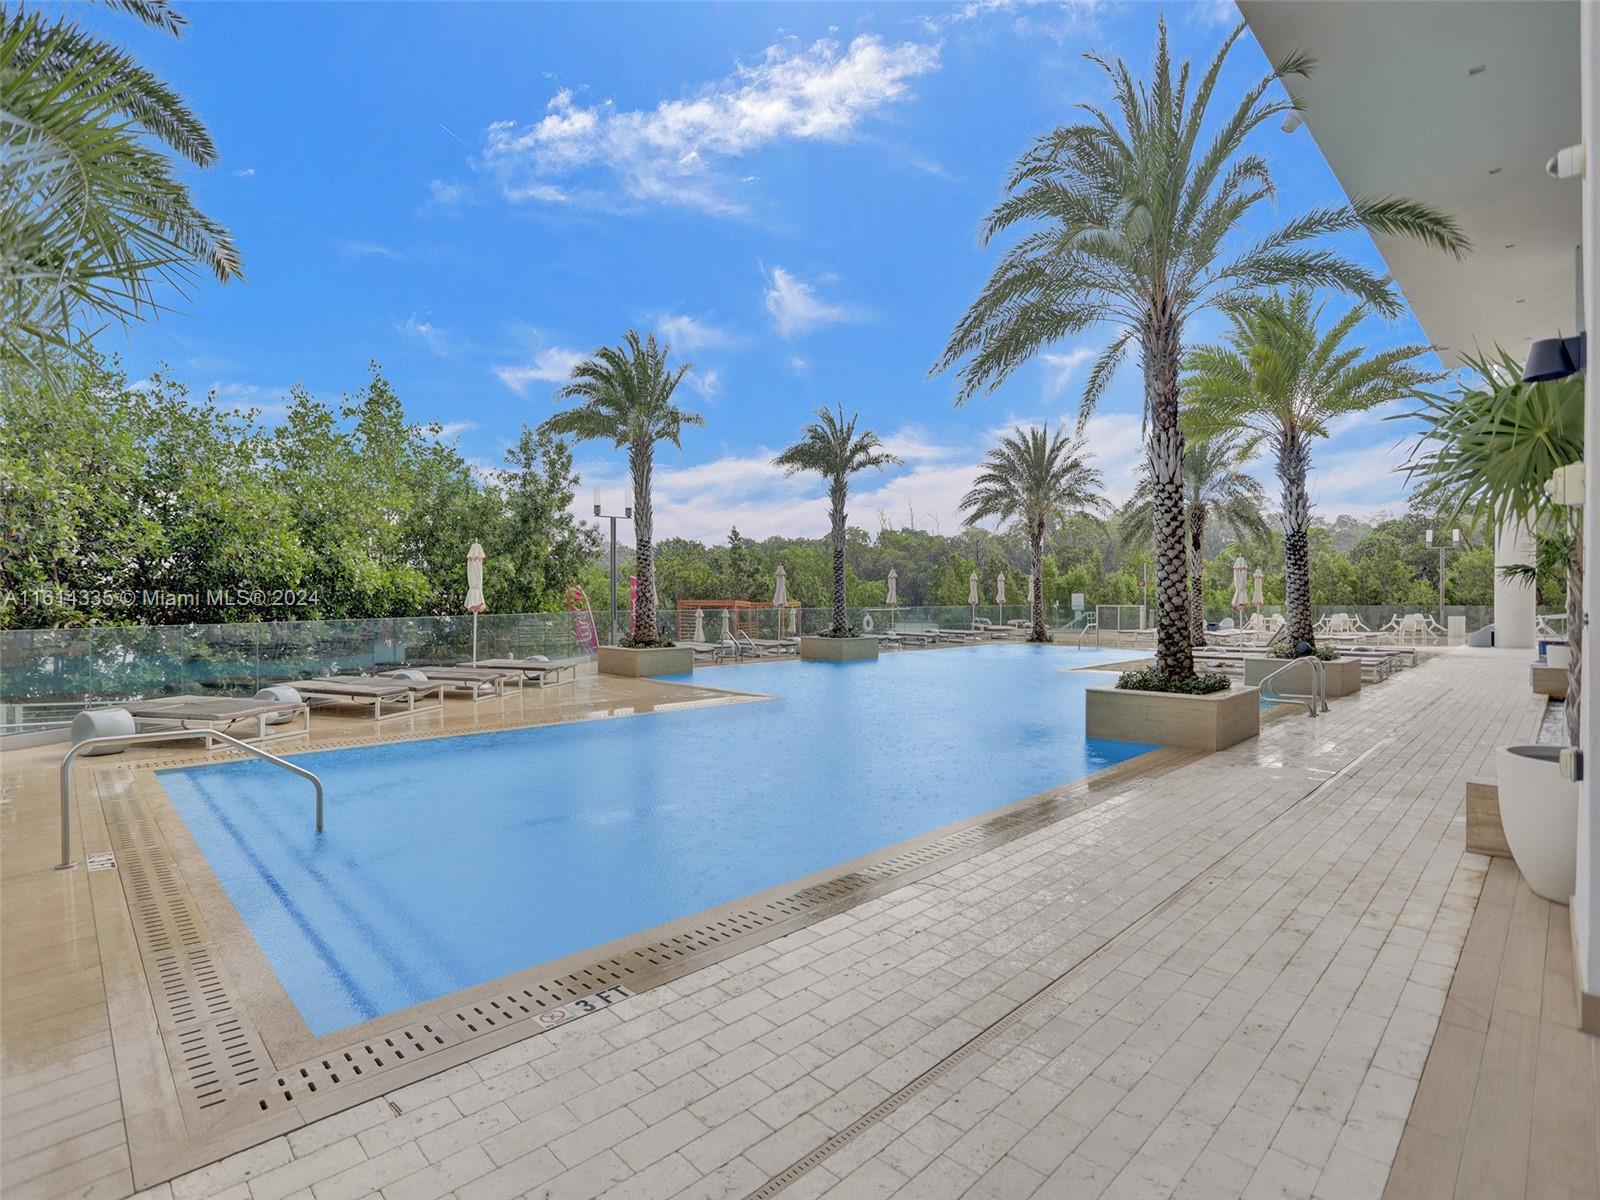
1458 104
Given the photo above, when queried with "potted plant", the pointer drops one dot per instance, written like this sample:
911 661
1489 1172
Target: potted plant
1205 712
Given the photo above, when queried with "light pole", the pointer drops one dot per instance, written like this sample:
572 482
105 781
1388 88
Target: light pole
627 515
1455 544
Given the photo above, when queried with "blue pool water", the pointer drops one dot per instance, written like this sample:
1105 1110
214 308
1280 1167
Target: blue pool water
450 862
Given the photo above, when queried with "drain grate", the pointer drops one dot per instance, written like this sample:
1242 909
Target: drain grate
100 860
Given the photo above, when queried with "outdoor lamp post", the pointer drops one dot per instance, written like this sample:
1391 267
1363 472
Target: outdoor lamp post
1455 544
627 515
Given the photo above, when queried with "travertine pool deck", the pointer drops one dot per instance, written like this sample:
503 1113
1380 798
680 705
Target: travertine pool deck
1221 977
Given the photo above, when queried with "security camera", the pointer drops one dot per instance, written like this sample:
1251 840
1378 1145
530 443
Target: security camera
1568 163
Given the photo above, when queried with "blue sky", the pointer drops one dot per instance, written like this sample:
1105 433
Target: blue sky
476 194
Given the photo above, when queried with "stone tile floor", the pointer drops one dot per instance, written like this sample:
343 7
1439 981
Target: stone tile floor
1231 975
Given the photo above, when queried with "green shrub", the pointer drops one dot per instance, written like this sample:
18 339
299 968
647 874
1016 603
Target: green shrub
1284 650
1150 679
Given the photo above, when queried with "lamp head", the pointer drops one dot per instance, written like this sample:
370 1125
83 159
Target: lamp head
1555 358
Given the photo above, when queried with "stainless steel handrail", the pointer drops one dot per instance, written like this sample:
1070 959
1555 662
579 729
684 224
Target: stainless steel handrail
1094 624
162 735
1319 687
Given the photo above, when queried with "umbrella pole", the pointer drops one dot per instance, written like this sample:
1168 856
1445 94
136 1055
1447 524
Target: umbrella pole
474 639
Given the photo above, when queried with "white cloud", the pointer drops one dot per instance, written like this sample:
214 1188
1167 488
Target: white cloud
245 173
669 154
372 250
1059 368
443 195
1054 18
795 306
798 365
685 333
451 429
1214 12
706 381
553 364
430 335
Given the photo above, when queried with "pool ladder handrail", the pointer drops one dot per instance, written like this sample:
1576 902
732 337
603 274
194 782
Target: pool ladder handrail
160 735
1318 700
1092 623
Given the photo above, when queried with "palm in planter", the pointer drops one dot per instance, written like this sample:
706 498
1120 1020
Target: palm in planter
1134 221
831 447
1279 380
626 398
1489 448
1215 486
1034 478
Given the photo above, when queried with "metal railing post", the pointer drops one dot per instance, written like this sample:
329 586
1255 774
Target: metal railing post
159 735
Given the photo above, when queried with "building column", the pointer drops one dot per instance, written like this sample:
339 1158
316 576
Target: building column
1515 600
1586 900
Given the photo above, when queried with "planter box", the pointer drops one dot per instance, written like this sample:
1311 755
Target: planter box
656 660
1172 719
830 649
1343 676
1548 681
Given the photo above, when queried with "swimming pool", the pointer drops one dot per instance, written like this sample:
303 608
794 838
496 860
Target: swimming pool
453 861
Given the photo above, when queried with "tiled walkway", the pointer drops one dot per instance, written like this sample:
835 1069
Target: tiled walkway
1231 976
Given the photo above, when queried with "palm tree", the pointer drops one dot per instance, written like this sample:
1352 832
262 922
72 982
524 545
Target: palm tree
1135 222
626 394
831 447
95 219
1280 380
1214 485
1488 449
1034 477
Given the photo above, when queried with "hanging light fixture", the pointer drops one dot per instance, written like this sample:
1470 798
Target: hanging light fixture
1555 358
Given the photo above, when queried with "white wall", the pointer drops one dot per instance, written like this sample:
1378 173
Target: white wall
1586 902
1515 600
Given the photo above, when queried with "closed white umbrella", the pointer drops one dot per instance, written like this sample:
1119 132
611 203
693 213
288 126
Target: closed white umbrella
780 594
475 604
699 624
972 595
726 632
1241 589
1000 589
1258 595
892 598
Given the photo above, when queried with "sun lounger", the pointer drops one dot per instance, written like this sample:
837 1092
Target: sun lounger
480 683
372 691
768 647
543 671
219 713
957 635
920 637
713 652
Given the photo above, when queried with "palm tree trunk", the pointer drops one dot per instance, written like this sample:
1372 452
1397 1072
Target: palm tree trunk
640 462
1293 460
1036 547
1159 351
1197 580
841 619
1574 703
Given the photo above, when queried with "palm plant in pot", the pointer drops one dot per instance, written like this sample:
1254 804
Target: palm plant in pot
831 447
1134 218
1035 478
1489 449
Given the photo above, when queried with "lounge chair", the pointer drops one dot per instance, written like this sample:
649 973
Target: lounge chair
371 691
537 667
957 635
480 683
767 647
713 652
220 713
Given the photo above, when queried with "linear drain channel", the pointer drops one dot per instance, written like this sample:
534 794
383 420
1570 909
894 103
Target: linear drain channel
802 1166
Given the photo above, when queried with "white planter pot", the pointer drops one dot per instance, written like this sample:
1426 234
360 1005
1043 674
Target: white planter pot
1558 656
1539 812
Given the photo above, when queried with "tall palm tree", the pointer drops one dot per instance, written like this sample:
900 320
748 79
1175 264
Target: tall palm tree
1215 485
1134 221
626 399
1034 477
831 447
1489 448
94 221
1280 380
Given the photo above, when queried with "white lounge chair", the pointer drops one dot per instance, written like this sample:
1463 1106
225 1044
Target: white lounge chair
220 713
371 692
543 671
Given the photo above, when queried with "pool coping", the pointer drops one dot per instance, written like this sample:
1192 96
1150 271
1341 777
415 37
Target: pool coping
252 1023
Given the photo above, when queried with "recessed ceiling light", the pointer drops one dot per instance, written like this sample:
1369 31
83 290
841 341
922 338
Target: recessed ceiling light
1522 299
1495 170
1511 245
1477 70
